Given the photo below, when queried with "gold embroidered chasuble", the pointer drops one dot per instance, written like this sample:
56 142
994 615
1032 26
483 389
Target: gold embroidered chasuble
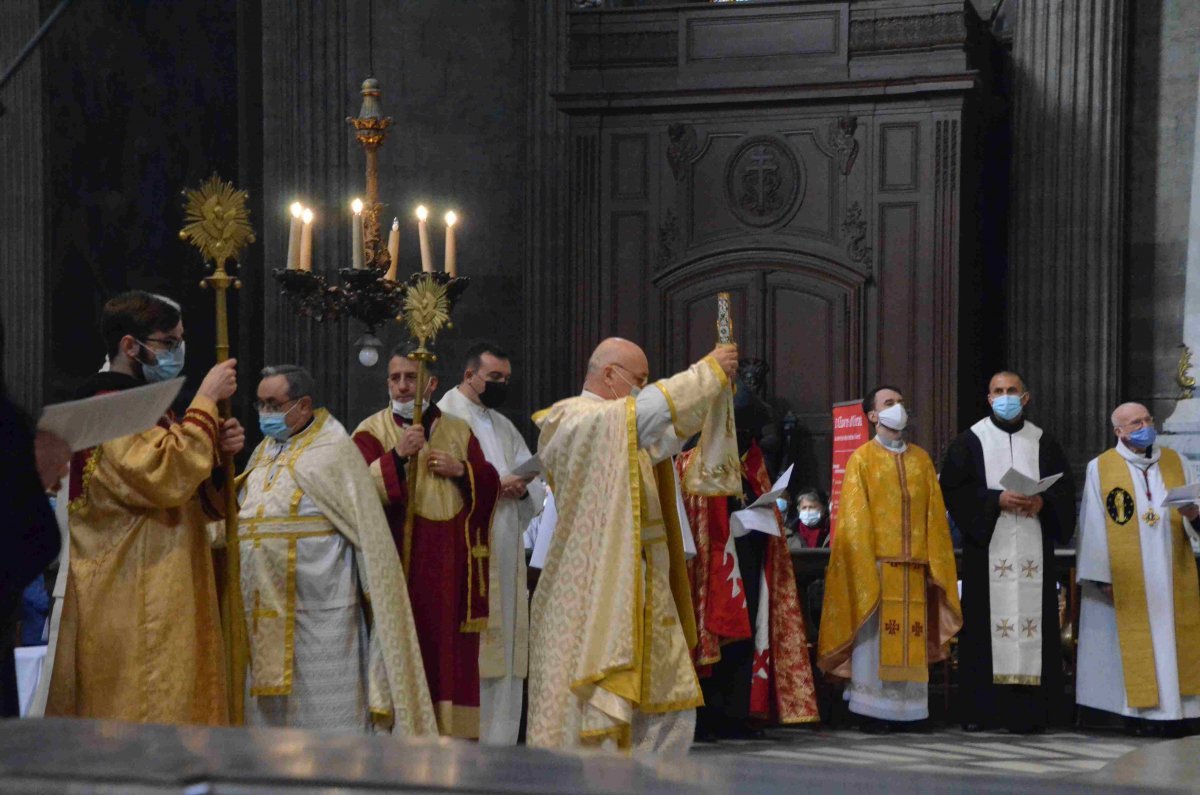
612 621
321 464
140 635
892 553
1117 488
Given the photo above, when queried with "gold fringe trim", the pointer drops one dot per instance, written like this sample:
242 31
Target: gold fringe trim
1016 679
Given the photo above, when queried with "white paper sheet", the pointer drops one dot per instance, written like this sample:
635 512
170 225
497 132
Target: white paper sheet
528 468
1026 486
1182 496
91 421
759 516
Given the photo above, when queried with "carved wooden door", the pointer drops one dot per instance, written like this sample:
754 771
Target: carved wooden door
800 317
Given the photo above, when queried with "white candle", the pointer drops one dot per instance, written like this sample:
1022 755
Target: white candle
356 236
394 249
306 240
451 253
423 233
293 257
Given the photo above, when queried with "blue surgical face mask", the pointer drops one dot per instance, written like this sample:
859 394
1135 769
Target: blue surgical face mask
1007 407
168 364
782 504
1143 437
274 424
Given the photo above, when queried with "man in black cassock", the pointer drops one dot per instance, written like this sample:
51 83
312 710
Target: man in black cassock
1009 649
30 464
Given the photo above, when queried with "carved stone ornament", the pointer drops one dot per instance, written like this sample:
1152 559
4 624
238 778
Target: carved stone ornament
681 148
843 144
854 230
908 32
764 181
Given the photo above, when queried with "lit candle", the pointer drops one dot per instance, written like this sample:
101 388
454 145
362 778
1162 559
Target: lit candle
426 257
306 240
394 248
356 238
451 263
293 259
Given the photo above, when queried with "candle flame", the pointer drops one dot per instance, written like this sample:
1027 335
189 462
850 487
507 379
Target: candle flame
357 206
297 209
451 218
395 223
422 213
307 216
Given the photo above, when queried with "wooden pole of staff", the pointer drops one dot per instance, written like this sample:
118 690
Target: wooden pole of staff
218 225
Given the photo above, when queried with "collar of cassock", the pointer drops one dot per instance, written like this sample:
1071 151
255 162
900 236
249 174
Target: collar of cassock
1139 460
1009 427
897 450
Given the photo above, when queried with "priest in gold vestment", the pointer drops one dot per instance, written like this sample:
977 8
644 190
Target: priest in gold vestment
891 595
612 623
138 633
317 562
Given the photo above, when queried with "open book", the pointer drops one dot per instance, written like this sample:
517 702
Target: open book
1182 496
1026 486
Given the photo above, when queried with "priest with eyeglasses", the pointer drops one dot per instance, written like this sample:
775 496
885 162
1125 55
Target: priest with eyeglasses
1139 630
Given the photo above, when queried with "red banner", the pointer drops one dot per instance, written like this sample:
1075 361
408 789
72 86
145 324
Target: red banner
850 432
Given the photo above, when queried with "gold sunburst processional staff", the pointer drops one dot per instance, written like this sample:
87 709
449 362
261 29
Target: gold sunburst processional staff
218 223
427 303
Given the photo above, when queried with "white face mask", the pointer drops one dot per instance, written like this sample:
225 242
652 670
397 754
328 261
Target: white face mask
405 407
634 391
894 417
810 516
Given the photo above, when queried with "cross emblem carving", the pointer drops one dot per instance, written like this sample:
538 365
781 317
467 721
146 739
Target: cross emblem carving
1029 569
1003 567
1029 628
761 172
1005 628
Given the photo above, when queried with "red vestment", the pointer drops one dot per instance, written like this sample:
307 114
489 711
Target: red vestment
782 686
448 570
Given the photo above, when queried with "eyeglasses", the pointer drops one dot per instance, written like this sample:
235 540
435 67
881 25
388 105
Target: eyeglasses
270 406
1137 425
170 344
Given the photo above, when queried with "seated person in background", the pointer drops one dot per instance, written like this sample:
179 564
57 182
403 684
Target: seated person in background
808 528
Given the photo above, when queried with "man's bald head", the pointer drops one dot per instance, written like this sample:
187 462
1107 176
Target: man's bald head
615 368
1127 413
1127 420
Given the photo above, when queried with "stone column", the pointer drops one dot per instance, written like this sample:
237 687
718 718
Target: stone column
309 88
1066 254
1183 426
22 245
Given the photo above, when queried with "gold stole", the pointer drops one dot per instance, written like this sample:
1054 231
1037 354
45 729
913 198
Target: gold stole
1129 585
438 499
902 611
902 602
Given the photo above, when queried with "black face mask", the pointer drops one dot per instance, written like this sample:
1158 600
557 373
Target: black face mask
494 394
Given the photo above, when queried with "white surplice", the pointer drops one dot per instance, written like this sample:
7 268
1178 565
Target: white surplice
501 686
1100 680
